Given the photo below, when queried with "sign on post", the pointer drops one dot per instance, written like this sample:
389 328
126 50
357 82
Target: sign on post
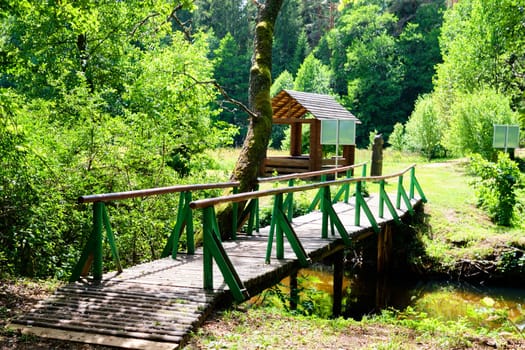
337 132
506 136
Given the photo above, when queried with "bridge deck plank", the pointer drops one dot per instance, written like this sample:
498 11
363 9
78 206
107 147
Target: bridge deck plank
162 301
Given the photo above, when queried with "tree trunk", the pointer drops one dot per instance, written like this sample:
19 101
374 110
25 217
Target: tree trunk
254 148
258 136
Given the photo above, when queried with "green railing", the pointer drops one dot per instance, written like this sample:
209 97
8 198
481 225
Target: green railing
91 256
281 226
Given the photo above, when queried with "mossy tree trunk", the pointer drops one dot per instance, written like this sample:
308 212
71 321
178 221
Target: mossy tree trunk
255 145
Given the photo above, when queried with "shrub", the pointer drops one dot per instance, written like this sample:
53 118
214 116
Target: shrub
472 117
396 139
496 192
423 131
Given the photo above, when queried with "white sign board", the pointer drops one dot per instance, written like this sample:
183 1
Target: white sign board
337 132
506 136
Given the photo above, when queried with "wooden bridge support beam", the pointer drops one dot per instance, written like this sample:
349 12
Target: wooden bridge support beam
338 261
384 248
294 291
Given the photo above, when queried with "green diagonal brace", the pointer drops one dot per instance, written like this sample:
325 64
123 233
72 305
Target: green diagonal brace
111 239
172 245
362 204
249 211
402 193
318 197
297 247
213 247
288 202
384 199
336 221
345 189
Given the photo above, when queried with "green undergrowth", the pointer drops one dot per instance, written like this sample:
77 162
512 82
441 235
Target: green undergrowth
275 328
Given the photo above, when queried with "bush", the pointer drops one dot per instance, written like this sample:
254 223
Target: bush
424 130
472 117
496 191
397 139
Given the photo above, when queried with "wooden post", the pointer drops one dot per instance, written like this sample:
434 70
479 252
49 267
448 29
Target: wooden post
338 261
384 248
349 155
294 291
316 152
296 139
377 156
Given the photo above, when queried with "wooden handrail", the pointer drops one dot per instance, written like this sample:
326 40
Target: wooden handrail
309 174
106 197
245 196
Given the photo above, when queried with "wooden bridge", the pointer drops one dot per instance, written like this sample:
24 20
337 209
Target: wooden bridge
157 304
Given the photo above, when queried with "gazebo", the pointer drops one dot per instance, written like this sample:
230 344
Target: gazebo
296 108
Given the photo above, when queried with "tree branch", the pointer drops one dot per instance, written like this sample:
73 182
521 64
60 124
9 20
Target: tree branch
182 25
224 94
141 23
258 4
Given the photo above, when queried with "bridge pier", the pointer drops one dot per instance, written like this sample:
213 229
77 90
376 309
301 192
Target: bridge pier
338 263
384 248
294 291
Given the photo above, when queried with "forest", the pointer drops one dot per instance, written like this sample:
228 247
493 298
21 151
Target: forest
109 96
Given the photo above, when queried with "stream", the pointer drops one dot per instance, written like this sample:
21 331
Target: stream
438 299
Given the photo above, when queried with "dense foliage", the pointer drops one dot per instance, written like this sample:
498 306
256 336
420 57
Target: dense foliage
96 97
105 96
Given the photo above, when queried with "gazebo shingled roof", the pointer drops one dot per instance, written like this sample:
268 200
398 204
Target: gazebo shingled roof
295 104
290 107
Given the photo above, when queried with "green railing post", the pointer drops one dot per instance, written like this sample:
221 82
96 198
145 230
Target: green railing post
399 190
415 183
257 218
207 227
279 239
349 173
98 208
91 256
235 209
288 202
190 235
273 226
381 198
412 177
357 215
325 202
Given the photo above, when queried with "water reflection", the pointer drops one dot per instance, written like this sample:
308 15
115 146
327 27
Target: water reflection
365 295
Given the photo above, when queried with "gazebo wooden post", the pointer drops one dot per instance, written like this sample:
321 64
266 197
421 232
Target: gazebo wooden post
316 151
296 139
348 155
